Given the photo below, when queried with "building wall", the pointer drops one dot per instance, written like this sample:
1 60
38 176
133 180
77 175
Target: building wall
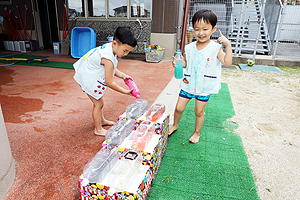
105 28
164 16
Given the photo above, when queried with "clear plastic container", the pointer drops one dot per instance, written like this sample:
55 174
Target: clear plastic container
155 112
136 109
98 167
116 134
153 55
121 177
142 136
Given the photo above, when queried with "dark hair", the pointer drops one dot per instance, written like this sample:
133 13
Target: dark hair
207 15
125 35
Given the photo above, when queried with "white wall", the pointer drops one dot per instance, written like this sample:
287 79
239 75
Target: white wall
167 41
7 165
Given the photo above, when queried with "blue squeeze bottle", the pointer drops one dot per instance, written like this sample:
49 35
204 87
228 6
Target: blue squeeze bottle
178 64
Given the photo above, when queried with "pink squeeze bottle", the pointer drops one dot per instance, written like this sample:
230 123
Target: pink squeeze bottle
133 87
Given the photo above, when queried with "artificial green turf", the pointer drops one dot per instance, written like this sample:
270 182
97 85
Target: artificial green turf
8 55
54 64
216 167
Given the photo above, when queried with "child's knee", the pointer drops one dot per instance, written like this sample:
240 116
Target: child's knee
179 109
199 112
98 104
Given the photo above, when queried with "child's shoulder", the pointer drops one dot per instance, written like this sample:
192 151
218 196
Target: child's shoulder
190 45
215 46
214 43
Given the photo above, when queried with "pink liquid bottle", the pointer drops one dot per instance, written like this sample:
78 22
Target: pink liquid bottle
155 112
133 87
142 136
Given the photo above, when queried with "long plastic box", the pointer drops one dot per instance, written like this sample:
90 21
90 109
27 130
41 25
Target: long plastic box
17 45
34 45
5 45
25 46
11 46
82 40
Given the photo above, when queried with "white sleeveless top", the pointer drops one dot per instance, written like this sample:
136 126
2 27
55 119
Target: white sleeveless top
203 69
90 74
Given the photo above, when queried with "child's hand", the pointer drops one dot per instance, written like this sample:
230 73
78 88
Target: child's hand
223 40
173 62
126 76
127 92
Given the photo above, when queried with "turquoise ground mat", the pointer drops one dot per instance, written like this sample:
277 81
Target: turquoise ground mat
216 167
263 68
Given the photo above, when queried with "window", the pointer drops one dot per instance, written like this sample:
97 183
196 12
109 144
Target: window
76 8
110 8
117 8
96 8
140 8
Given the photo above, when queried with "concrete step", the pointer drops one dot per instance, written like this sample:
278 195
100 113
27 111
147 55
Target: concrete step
249 27
248 31
247 35
251 45
252 49
264 41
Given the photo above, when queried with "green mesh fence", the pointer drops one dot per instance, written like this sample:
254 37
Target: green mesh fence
214 168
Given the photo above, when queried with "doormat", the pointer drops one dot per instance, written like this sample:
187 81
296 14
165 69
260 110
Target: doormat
264 68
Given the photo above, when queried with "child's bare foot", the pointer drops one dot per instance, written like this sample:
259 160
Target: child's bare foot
100 132
106 122
172 129
195 138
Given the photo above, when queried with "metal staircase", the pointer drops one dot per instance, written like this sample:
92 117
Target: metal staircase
248 34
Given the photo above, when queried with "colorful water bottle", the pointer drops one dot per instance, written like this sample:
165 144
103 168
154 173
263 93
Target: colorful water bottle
178 59
133 87
142 136
136 109
155 112
116 134
98 167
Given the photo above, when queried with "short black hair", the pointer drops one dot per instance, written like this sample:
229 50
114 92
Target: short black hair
206 15
125 35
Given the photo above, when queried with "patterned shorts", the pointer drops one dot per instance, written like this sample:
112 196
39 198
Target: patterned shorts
187 95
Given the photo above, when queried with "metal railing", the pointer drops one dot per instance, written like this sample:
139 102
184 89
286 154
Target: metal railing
272 15
287 37
281 23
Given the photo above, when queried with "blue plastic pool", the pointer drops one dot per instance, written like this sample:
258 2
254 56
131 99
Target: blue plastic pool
82 40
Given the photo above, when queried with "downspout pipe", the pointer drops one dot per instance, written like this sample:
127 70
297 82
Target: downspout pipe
184 25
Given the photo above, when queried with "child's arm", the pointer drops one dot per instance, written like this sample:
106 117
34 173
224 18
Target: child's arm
120 74
109 74
225 59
